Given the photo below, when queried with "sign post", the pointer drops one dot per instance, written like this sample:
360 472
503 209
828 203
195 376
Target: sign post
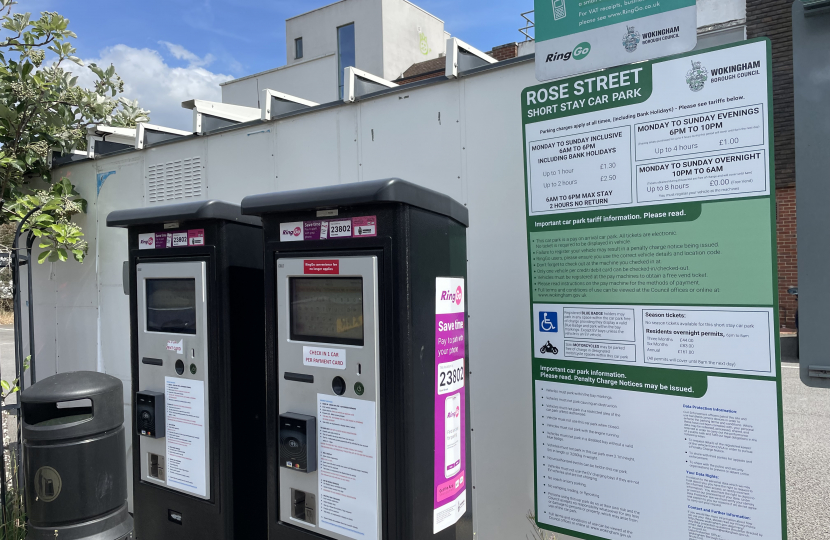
577 36
651 238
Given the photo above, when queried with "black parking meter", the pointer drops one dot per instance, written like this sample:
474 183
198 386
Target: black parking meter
367 367
195 285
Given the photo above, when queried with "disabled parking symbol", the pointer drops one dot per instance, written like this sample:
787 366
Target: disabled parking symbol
548 321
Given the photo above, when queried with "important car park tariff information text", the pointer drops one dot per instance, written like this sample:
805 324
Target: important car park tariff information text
657 391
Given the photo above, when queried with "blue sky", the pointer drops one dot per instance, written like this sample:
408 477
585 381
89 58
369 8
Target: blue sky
171 50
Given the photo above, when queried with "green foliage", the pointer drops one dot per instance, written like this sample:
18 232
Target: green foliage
42 109
9 388
52 220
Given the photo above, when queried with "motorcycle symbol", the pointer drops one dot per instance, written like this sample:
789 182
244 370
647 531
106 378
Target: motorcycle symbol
548 348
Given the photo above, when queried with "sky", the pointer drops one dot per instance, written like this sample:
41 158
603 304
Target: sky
169 51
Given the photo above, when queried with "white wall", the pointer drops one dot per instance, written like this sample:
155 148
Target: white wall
315 80
403 25
473 153
319 32
382 137
711 12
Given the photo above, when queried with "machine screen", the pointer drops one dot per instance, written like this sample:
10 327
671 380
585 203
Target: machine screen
327 310
171 306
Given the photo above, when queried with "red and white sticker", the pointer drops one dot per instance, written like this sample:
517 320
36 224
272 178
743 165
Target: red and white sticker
147 241
325 358
196 237
291 232
176 346
323 267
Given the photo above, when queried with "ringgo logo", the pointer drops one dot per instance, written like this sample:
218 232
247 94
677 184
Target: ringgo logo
291 232
454 297
147 241
581 51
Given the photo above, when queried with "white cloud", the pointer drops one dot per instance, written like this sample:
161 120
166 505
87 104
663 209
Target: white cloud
156 85
180 53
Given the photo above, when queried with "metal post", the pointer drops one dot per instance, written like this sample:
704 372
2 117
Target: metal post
29 242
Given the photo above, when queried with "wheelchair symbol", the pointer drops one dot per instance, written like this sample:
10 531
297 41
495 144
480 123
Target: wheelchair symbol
548 322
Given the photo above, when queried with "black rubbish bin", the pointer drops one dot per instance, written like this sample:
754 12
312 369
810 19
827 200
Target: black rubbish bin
74 458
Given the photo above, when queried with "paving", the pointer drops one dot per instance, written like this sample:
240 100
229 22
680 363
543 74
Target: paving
807 456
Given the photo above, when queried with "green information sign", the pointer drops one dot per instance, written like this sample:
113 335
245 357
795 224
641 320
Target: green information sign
651 239
577 36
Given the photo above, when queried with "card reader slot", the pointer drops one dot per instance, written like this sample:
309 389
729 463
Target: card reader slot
153 361
298 377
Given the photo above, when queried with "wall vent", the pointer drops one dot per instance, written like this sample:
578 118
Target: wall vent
180 179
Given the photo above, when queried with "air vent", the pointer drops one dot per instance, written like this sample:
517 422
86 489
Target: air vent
180 179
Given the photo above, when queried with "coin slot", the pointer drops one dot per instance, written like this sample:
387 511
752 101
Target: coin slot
359 369
179 367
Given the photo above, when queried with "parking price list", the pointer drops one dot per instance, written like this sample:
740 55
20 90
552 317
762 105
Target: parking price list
651 241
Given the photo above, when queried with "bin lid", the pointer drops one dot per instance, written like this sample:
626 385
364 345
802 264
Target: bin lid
186 211
391 190
69 405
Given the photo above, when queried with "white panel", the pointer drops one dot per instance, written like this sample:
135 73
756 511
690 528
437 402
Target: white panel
44 316
175 173
710 12
45 339
243 93
309 152
77 339
243 164
498 278
415 136
314 80
122 189
115 331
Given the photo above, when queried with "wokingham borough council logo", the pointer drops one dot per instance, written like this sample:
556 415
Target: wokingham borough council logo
697 76
631 39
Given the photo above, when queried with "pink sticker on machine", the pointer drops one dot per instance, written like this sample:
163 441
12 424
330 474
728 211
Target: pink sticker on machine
450 471
196 237
365 226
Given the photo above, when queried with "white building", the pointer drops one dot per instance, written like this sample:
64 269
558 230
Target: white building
381 37
459 135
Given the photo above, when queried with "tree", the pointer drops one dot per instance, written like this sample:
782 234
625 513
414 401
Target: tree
42 109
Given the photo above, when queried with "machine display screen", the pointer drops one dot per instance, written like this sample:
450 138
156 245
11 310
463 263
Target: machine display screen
171 306
327 310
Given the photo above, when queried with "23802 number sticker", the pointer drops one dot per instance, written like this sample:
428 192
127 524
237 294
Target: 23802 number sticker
450 376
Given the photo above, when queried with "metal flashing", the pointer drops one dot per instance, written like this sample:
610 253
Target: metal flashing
391 190
339 103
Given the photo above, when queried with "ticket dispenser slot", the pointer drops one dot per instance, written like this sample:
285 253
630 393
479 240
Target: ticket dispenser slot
172 400
328 431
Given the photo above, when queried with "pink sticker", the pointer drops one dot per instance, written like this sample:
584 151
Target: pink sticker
196 237
365 226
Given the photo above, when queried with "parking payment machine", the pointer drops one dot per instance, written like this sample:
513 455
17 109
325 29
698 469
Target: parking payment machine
196 304
367 368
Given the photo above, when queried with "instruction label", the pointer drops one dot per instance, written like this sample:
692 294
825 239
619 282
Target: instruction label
651 236
326 358
187 455
347 475
450 417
